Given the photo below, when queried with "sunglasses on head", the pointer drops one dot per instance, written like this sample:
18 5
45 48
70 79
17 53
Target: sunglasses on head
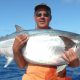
39 14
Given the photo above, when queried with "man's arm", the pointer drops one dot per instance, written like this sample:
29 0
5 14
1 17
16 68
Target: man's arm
19 43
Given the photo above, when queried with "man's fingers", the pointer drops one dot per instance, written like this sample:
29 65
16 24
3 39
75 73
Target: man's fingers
65 57
21 37
72 55
19 42
22 44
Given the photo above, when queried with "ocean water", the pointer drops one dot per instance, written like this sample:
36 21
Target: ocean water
12 72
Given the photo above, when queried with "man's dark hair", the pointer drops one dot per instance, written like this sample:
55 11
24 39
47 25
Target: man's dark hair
47 8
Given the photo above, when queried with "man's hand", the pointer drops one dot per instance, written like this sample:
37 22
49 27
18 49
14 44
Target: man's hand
73 60
71 57
19 43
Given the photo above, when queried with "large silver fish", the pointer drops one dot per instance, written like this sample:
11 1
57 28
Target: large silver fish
44 47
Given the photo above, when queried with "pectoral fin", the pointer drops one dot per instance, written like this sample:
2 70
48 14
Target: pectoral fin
60 68
9 60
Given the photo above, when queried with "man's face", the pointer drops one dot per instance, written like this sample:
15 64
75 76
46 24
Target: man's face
42 19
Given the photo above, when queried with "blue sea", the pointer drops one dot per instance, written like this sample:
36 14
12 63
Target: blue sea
12 72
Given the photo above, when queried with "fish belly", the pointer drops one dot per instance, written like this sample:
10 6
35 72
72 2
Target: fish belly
44 50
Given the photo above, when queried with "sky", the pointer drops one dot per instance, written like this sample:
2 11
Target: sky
65 15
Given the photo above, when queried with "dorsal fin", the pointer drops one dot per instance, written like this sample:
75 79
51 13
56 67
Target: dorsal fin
18 28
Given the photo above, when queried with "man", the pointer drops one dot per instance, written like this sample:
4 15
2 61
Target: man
42 16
